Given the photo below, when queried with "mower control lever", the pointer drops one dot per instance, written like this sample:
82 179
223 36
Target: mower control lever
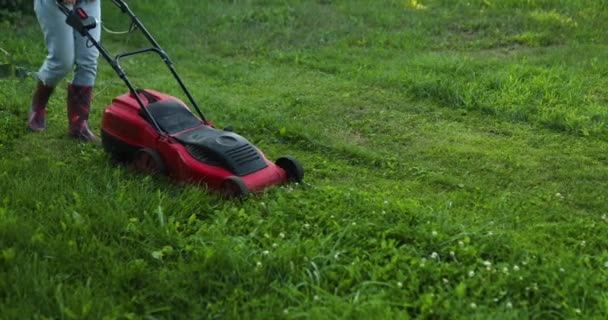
78 19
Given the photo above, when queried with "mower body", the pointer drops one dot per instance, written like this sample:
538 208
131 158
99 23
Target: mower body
187 148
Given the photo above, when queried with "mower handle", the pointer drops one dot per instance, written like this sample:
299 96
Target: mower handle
84 27
158 49
121 5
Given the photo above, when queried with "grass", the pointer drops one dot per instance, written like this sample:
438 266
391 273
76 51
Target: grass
455 157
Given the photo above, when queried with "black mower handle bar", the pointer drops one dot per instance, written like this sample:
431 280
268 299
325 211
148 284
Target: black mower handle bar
82 23
121 5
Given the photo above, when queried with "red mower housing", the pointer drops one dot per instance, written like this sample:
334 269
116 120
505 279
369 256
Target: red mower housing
187 148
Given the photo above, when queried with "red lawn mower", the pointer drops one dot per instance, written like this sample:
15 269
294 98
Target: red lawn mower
158 133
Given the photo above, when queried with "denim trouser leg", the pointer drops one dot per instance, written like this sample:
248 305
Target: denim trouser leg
66 47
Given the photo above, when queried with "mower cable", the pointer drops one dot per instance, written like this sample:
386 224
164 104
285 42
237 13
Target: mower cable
131 29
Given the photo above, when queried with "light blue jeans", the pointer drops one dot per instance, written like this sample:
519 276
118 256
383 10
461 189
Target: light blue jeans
67 49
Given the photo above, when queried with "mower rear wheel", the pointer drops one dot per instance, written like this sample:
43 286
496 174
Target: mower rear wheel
148 161
234 187
293 168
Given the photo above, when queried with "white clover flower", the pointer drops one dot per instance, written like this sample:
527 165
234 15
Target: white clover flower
258 264
274 245
605 217
452 254
265 252
434 233
505 270
385 202
434 256
266 235
383 212
471 273
488 266
282 235
578 311
562 270
286 311
490 233
316 298
399 284
606 264
509 305
559 195
306 225
460 243
515 268
354 223
445 280
473 305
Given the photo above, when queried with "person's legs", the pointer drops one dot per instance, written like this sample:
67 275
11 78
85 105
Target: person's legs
86 54
59 40
80 90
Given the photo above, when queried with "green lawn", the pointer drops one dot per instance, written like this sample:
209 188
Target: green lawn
455 155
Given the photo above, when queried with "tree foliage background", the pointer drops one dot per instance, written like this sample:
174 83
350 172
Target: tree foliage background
16 5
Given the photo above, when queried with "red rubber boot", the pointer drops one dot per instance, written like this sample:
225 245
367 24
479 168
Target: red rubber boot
35 116
79 104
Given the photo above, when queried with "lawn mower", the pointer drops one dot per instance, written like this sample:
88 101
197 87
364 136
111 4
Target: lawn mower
158 133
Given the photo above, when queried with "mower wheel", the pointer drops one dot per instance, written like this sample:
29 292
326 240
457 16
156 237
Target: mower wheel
148 161
234 187
293 168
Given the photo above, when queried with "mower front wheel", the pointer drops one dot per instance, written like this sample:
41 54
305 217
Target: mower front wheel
234 187
293 168
148 161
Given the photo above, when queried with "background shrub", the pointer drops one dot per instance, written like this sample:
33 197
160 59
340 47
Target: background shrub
25 6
